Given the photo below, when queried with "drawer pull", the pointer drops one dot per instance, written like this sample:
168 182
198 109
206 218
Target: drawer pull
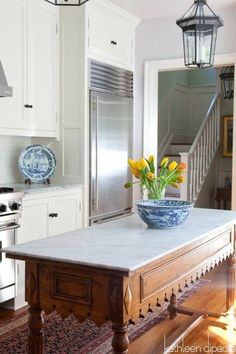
53 215
114 42
28 106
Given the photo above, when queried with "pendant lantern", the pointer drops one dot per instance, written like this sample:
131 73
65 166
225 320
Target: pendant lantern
227 80
67 2
200 26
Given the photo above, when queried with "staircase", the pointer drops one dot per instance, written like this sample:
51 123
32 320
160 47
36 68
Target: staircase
198 155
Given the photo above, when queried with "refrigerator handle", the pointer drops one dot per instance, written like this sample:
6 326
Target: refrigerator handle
94 150
96 178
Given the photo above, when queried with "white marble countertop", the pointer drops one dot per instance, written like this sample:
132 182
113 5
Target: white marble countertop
39 188
125 244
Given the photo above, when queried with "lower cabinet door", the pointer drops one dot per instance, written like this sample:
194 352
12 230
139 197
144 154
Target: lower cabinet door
65 214
34 220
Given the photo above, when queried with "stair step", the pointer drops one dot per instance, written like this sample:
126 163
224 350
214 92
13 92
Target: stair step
177 148
181 143
172 196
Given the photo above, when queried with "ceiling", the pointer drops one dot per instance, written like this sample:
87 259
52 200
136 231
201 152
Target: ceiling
164 8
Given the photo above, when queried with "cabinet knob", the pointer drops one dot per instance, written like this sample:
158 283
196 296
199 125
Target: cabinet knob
53 215
3 208
114 42
14 206
28 106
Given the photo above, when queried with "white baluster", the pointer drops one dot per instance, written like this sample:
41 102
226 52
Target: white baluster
202 151
185 187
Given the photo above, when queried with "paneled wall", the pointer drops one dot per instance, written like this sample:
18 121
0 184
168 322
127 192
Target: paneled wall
182 111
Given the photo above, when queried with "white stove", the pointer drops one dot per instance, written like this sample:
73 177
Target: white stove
10 212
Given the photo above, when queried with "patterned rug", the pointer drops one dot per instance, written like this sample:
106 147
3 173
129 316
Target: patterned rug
70 337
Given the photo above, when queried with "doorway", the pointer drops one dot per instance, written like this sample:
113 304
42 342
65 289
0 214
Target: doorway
152 70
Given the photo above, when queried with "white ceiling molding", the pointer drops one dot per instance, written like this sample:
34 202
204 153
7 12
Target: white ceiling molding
165 8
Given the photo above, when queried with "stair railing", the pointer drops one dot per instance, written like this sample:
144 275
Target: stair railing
202 152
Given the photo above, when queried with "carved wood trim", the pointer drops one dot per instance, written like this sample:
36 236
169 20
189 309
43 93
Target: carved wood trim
161 277
128 299
163 295
31 282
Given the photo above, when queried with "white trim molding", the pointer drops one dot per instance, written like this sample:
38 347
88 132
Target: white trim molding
150 119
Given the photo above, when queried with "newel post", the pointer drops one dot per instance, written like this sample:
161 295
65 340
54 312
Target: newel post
185 187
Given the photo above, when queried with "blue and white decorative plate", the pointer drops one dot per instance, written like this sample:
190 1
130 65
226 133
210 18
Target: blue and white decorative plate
37 163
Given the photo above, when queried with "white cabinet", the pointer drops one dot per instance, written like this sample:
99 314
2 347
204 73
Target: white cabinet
65 214
43 215
111 34
28 50
42 69
48 214
12 19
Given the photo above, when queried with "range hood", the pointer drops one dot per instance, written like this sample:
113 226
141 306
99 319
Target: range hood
5 90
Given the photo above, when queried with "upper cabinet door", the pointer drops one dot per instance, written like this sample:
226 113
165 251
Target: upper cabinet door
111 35
42 69
123 42
12 42
100 35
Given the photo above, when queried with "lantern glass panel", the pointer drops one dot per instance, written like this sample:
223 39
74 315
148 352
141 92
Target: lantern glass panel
199 46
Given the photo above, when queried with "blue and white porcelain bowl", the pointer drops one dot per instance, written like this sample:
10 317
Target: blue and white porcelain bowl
163 214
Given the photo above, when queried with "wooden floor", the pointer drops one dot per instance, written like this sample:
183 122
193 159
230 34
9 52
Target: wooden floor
207 337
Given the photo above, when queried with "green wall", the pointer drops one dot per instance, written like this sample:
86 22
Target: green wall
166 80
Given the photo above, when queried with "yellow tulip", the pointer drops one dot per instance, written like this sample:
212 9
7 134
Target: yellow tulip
150 176
135 172
180 179
151 158
132 163
173 165
175 185
164 162
139 166
143 163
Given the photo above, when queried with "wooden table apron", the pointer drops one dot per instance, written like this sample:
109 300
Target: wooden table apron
106 294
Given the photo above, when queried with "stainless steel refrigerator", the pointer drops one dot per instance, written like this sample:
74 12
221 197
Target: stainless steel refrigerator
111 137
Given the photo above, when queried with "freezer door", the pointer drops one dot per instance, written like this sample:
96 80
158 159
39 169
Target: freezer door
111 146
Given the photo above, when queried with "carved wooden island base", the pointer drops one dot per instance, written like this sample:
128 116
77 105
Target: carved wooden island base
118 294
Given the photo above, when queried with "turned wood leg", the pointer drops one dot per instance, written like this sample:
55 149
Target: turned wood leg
120 340
231 278
173 307
35 324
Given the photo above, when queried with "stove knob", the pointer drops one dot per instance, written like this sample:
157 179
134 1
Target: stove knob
14 206
3 208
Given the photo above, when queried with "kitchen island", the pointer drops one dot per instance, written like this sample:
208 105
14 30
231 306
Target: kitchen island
120 270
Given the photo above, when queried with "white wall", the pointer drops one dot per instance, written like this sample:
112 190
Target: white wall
161 39
12 147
